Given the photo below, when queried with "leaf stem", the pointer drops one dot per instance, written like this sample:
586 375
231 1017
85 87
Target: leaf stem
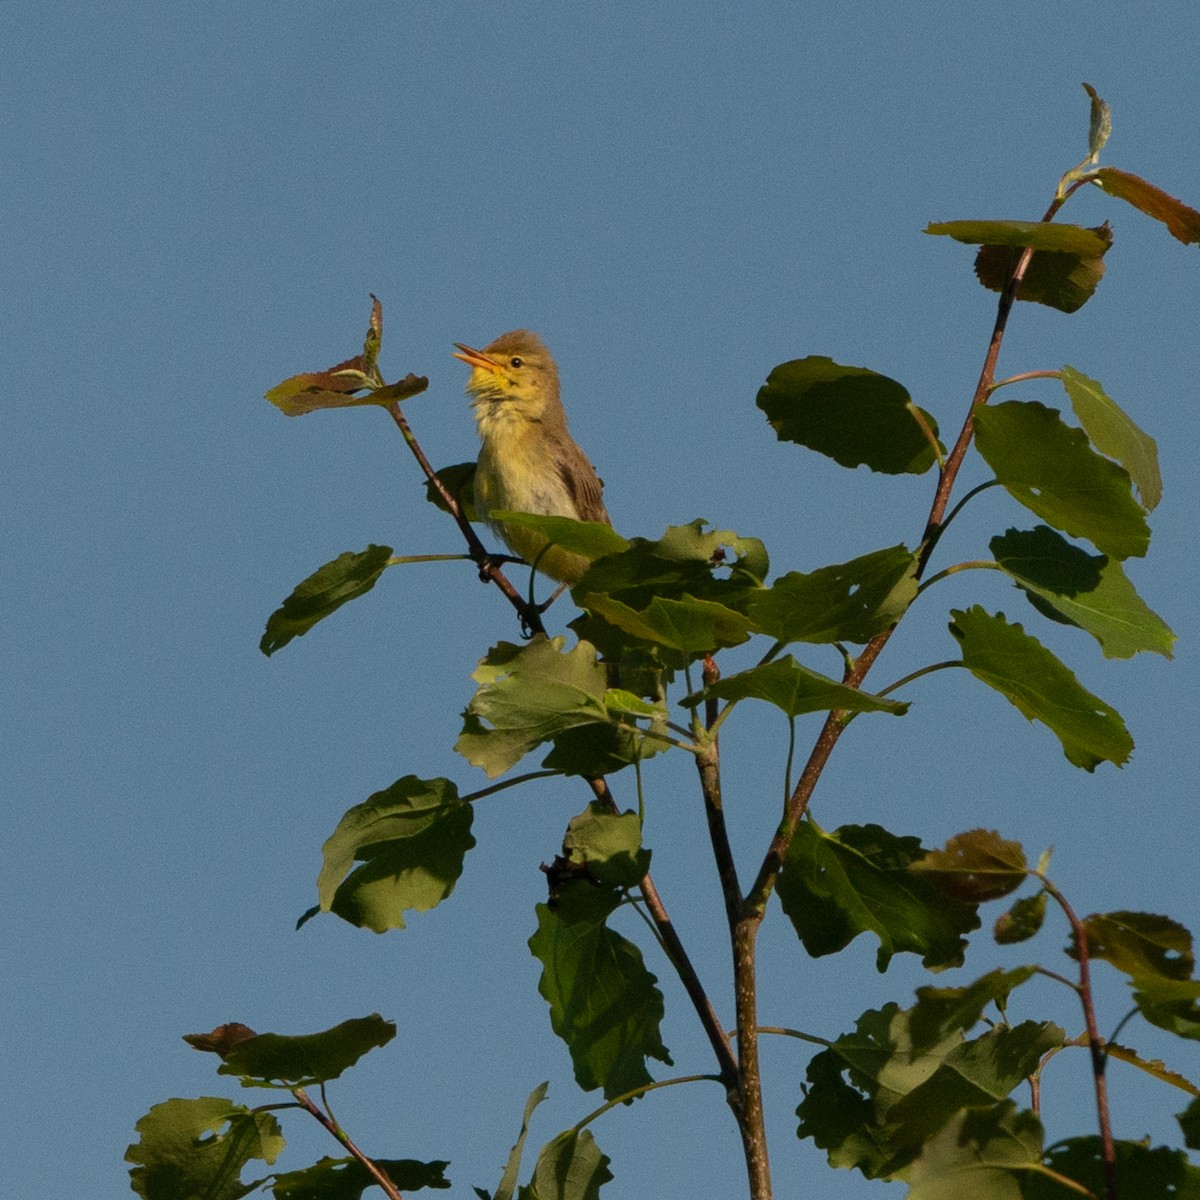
1023 376
929 670
634 1093
978 564
1095 1045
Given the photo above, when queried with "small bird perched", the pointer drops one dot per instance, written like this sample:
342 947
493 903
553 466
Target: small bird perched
529 462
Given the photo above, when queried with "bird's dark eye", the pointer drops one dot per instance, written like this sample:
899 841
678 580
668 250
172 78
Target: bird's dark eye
516 362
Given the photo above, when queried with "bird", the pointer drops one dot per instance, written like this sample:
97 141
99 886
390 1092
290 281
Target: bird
528 461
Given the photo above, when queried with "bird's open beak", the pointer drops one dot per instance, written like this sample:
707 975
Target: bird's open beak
476 358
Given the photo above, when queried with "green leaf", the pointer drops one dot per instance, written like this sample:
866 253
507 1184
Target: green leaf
609 844
571 1167
1041 235
1144 1172
530 695
1022 670
1092 592
854 416
795 689
689 625
347 1178
1152 1067
1022 921
335 388
1064 271
346 578
309 1059
1182 222
849 602
508 1181
590 539
1100 123
835 886
901 1089
1051 469
603 1002
983 1153
1171 1004
1189 1122
459 481
410 840
196 1149
590 751
976 866
1143 945
940 1013
1115 434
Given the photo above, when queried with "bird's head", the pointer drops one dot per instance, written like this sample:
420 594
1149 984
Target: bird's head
514 373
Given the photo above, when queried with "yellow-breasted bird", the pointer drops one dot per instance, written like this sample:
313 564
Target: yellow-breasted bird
528 462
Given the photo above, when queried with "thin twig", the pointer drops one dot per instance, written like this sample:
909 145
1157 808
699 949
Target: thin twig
342 1136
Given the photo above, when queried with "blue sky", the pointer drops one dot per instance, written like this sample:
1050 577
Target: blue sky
197 202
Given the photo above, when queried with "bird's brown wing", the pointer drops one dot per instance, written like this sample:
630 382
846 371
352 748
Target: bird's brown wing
581 482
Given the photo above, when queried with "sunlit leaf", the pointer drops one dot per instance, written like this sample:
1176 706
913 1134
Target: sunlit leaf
1067 584
1022 670
976 866
337 388
603 1002
688 625
1051 468
408 842
528 695
795 689
855 416
1064 271
848 602
835 886
346 578
1115 434
197 1148
310 1058
609 844
1182 222
1153 1067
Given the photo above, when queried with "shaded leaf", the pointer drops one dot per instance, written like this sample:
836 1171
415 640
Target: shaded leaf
849 602
876 1096
983 1153
347 1178
835 886
1189 1122
1115 434
795 689
609 844
346 578
1022 921
1064 271
854 416
941 1012
1143 945
571 1167
310 1058
593 750
1153 1067
197 1148
221 1040
1092 592
459 481
1171 1004
530 694
976 866
410 840
688 625
1099 124
1022 670
508 1181
603 1002
1144 1172
1182 222
1051 469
